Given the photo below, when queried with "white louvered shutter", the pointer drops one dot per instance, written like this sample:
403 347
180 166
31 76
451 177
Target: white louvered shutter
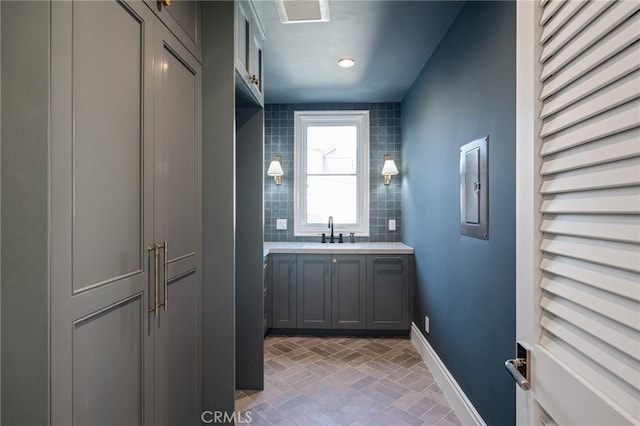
590 169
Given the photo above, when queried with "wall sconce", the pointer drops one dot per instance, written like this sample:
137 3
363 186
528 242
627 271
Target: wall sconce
275 170
389 169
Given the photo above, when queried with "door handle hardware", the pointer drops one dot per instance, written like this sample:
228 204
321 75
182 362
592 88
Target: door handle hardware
165 283
166 2
519 367
154 248
388 258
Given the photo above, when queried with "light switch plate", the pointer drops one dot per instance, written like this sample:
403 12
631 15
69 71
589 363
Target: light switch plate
392 224
281 224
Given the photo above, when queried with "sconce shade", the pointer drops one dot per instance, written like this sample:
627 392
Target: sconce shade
275 169
389 168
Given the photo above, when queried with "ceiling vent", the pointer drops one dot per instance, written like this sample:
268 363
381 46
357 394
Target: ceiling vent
301 11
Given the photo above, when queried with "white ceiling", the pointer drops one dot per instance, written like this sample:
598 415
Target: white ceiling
390 40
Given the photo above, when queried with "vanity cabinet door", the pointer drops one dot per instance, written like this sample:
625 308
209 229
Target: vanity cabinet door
314 291
284 290
388 292
348 291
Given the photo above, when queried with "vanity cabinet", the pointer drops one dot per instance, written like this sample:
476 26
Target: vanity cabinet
388 304
249 51
341 291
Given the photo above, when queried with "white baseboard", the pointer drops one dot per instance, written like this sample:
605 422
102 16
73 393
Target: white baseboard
463 408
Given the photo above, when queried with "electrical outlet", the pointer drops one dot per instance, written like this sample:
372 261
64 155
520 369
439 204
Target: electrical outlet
426 324
281 224
392 224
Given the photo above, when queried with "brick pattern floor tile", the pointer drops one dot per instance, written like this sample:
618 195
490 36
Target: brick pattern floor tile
345 381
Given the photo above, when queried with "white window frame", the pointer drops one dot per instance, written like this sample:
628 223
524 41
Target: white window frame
302 120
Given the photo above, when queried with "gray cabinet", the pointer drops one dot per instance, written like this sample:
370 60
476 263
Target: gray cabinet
284 291
388 304
249 56
348 291
118 118
314 291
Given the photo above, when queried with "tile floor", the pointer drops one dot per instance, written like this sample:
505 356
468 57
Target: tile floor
345 381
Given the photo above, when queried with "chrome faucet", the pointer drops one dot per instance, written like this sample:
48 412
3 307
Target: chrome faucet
331 239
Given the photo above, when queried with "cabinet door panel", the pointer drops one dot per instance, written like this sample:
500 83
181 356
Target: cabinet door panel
314 291
177 146
176 348
348 292
183 18
101 186
388 292
107 143
284 291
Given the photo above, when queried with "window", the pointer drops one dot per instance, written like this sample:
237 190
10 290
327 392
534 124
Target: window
331 172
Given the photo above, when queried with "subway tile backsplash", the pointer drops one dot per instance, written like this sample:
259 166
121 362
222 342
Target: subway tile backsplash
384 201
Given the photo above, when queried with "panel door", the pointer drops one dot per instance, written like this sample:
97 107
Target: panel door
283 291
314 291
348 291
578 212
177 227
101 212
387 292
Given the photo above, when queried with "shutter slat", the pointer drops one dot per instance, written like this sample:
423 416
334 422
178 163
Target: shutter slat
603 227
579 23
607 201
618 93
620 173
621 283
601 52
614 254
613 307
623 339
561 18
611 148
596 351
550 10
619 66
614 391
617 120
596 30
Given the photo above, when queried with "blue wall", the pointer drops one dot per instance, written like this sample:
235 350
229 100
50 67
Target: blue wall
465 285
384 138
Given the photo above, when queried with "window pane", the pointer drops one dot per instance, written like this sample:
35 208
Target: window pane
331 196
332 149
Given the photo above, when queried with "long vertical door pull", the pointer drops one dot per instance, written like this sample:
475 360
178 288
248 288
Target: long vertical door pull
166 275
154 248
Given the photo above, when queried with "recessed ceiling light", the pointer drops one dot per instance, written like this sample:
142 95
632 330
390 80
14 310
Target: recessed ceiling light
346 63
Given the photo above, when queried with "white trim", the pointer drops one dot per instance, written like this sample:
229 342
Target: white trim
302 119
461 405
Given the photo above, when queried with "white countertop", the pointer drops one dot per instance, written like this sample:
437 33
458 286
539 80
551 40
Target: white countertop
336 248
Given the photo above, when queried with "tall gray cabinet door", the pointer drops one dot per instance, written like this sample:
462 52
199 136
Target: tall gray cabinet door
284 291
348 291
101 212
388 292
314 291
177 228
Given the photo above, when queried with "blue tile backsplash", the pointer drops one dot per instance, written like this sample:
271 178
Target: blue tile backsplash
385 204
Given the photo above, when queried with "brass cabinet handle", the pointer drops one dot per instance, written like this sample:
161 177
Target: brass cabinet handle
166 2
254 79
165 247
155 269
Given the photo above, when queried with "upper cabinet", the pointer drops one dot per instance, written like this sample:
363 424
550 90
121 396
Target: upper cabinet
249 55
182 17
